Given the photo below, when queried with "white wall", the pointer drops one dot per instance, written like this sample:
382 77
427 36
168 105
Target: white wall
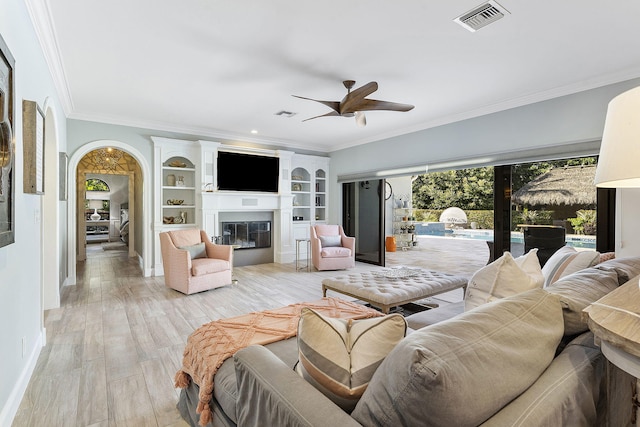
627 224
21 295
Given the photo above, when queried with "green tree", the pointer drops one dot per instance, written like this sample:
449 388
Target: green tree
94 184
472 189
469 189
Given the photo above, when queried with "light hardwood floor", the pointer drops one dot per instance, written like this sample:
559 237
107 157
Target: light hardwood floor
116 342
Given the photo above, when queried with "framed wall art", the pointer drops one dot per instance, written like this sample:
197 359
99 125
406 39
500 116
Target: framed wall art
7 187
33 142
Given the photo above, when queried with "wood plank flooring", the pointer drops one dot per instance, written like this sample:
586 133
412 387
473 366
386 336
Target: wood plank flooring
116 342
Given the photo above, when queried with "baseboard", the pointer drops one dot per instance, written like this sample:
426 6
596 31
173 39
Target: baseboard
146 272
10 409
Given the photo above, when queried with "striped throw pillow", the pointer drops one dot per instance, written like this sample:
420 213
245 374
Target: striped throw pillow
339 356
565 261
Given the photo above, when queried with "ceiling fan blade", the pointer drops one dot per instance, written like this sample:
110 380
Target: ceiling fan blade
361 119
334 105
372 104
329 114
356 96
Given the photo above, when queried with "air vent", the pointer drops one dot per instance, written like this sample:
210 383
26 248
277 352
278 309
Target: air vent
285 113
481 16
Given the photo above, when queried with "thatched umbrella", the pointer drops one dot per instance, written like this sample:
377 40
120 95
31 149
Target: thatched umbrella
570 185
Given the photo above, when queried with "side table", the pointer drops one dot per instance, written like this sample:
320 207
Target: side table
234 280
615 321
299 253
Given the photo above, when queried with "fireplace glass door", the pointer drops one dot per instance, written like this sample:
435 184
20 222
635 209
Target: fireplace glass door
247 234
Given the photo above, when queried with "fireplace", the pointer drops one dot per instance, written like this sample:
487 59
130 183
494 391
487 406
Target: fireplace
247 234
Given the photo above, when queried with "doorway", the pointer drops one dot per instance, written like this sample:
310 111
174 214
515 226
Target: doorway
117 170
141 248
363 217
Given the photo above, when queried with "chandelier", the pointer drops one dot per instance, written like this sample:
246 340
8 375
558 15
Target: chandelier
107 158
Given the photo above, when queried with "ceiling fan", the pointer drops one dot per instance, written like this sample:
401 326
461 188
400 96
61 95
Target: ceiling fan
355 103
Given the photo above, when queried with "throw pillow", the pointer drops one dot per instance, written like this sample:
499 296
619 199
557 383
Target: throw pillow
462 371
196 251
626 268
330 241
339 356
577 291
565 261
504 277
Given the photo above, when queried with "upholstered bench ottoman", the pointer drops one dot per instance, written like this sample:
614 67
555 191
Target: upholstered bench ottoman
391 287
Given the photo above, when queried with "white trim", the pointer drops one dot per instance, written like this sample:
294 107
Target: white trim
546 153
74 161
10 409
51 205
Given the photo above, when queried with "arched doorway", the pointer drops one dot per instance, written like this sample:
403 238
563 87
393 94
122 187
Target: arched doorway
79 165
106 180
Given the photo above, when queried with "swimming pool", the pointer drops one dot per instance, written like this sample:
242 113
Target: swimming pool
575 240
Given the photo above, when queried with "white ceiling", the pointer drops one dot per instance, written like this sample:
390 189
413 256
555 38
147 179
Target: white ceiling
220 69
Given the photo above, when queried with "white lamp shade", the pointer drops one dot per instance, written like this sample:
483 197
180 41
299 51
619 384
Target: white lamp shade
619 161
95 204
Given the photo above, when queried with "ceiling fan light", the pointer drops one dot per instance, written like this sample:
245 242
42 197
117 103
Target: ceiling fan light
361 119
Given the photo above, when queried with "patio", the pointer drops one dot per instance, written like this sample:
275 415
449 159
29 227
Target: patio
450 255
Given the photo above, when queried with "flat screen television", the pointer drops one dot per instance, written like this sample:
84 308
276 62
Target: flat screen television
247 172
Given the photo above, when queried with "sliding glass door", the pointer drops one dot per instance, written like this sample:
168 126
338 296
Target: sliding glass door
363 218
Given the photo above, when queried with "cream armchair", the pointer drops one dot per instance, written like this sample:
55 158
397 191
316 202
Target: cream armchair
192 263
331 249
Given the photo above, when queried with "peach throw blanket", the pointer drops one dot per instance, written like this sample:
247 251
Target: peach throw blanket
212 343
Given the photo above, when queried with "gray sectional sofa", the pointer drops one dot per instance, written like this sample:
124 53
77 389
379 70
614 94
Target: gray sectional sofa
526 360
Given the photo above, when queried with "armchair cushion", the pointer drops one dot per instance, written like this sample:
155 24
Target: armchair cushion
196 251
202 266
335 252
330 241
181 238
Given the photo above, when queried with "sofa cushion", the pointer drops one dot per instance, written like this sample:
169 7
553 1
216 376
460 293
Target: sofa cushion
504 277
339 356
566 394
578 290
330 241
185 237
435 315
196 251
565 261
202 266
225 388
462 371
626 268
335 252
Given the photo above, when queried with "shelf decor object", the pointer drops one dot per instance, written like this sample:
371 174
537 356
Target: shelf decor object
95 205
33 141
7 129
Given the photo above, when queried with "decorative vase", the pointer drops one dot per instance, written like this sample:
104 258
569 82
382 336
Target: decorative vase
95 216
171 180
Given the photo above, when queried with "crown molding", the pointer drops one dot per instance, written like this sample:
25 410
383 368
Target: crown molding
45 32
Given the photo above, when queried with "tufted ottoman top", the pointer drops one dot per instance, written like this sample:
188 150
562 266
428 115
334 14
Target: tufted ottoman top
394 286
